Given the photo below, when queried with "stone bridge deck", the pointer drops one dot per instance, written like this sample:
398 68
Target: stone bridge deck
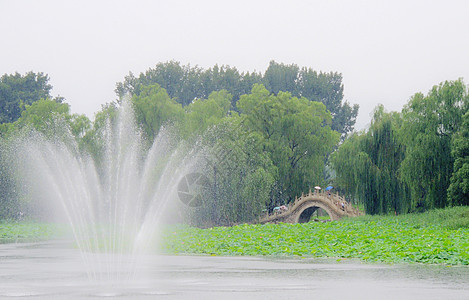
304 206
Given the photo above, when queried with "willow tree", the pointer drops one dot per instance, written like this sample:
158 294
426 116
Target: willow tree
367 166
153 108
202 114
458 191
240 175
325 87
295 133
429 123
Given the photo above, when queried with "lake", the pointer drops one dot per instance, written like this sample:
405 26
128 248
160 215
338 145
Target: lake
54 270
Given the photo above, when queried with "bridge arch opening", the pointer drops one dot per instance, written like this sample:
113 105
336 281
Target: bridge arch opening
313 213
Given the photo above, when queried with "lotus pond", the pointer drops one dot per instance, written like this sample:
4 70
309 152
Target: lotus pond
436 237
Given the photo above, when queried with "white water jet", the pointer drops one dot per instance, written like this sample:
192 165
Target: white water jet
113 209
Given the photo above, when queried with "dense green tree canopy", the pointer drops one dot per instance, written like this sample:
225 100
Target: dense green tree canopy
367 166
270 136
403 161
51 118
17 91
204 113
274 146
241 174
153 107
296 134
458 191
321 87
184 84
429 122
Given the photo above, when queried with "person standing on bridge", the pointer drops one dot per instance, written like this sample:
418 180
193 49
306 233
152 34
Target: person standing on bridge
317 189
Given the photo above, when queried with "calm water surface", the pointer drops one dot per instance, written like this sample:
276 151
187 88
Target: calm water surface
56 271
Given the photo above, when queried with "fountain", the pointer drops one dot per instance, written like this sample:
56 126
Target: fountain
113 208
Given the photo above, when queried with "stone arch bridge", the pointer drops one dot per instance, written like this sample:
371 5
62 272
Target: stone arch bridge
302 209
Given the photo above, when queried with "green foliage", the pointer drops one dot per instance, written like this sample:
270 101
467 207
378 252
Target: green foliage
240 173
386 239
454 218
153 108
9 204
93 141
186 84
367 166
295 133
17 91
79 125
41 114
435 237
281 78
320 87
51 118
429 123
277 146
14 232
458 191
402 162
202 114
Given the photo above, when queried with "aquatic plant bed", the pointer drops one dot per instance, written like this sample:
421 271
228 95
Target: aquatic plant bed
386 239
17 232
434 237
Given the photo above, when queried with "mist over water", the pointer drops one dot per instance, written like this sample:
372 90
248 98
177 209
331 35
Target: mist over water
113 206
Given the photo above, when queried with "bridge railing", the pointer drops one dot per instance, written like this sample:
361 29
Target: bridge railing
334 199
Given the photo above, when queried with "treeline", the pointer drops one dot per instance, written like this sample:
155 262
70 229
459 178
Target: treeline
266 147
272 148
186 84
272 136
412 160
26 102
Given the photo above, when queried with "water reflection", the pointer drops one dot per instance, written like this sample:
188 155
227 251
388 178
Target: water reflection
51 270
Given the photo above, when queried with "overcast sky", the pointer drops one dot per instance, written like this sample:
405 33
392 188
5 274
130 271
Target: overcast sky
385 50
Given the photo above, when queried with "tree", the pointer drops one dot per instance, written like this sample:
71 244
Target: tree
241 175
429 123
41 115
52 119
17 91
321 87
9 200
186 84
296 134
205 113
182 83
241 182
44 117
94 141
367 166
282 78
153 108
458 191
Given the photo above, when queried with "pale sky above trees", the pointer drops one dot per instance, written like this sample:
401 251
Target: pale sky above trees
385 50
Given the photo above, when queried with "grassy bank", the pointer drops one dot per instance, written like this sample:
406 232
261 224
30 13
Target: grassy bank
437 237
